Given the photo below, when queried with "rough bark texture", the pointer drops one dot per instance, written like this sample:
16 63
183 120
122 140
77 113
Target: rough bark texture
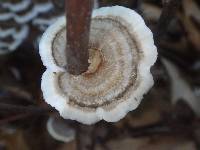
78 13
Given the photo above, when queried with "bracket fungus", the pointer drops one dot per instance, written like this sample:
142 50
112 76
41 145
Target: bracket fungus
23 11
11 38
15 17
46 19
60 129
121 50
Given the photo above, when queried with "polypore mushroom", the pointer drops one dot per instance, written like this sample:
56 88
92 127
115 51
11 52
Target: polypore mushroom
16 5
60 130
23 13
14 19
46 19
11 38
121 52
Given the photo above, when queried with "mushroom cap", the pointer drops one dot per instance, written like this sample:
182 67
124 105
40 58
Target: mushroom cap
60 129
24 11
11 38
14 19
119 73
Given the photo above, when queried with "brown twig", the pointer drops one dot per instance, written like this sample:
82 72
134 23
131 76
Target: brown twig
170 8
21 112
22 109
85 135
78 14
14 118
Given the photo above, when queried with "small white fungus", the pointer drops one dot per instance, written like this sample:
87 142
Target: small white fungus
60 130
14 19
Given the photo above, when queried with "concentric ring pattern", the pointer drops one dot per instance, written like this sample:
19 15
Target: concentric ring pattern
121 47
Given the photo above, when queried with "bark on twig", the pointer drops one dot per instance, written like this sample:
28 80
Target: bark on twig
78 14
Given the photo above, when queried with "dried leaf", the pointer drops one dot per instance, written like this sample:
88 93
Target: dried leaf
13 140
68 146
180 88
158 143
151 12
191 9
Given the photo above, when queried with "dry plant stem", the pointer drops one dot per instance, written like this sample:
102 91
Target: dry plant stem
169 10
135 5
85 137
22 109
78 13
15 118
21 112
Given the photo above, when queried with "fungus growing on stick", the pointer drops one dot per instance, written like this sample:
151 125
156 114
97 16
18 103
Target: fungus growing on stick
121 50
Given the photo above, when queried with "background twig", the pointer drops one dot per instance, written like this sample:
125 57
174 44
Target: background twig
168 12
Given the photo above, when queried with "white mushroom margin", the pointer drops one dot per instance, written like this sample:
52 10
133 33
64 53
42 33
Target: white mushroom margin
55 98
